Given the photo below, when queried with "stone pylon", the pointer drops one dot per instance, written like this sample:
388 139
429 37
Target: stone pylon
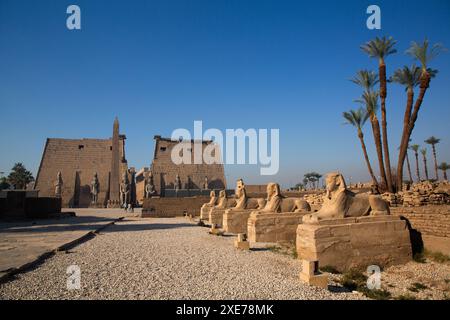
114 191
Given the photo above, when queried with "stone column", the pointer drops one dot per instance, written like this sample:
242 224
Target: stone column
114 192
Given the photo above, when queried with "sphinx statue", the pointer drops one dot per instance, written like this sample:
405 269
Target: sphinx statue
340 202
279 218
278 203
243 203
215 214
204 210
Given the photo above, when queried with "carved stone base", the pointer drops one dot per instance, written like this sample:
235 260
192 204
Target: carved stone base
216 216
311 275
204 213
355 242
273 227
242 245
236 221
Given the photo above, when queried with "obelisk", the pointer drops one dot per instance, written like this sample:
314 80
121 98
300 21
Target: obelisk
114 191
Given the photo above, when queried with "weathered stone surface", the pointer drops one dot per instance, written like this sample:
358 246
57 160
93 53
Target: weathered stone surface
242 245
235 221
216 216
273 227
431 224
77 160
172 207
311 275
191 176
355 242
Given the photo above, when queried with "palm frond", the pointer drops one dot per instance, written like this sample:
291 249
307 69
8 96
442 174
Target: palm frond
380 47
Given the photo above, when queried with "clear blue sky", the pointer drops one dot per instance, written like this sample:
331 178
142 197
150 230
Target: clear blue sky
160 65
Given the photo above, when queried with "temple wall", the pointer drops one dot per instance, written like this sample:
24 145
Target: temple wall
77 160
433 223
165 171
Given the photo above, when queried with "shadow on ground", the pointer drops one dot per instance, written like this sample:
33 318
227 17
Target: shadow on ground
120 227
54 225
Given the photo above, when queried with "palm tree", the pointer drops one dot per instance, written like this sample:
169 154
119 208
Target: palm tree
410 78
358 118
408 168
424 54
367 80
415 148
444 167
370 100
424 155
380 48
433 141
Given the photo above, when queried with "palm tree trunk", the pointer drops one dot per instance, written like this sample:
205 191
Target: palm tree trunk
409 167
404 142
435 162
425 166
383 95
424 84
377 139
445 174
417 166
366 157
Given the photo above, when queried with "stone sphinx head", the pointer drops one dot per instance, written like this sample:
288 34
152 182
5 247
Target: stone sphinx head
212 194
335 184
222 194
273 190
240 189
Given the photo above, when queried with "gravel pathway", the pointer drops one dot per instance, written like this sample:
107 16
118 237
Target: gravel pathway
166 259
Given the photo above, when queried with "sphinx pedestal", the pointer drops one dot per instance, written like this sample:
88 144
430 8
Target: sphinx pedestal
216 216
235 221
273 227
204 213
355 242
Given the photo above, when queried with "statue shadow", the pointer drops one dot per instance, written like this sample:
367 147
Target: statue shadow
338 289
415 237
146 227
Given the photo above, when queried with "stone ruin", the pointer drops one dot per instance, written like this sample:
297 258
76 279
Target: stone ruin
421 194
353 231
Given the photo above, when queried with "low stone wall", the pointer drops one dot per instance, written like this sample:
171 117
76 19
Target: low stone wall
173 207
273 227
42 207
17 205
432 223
